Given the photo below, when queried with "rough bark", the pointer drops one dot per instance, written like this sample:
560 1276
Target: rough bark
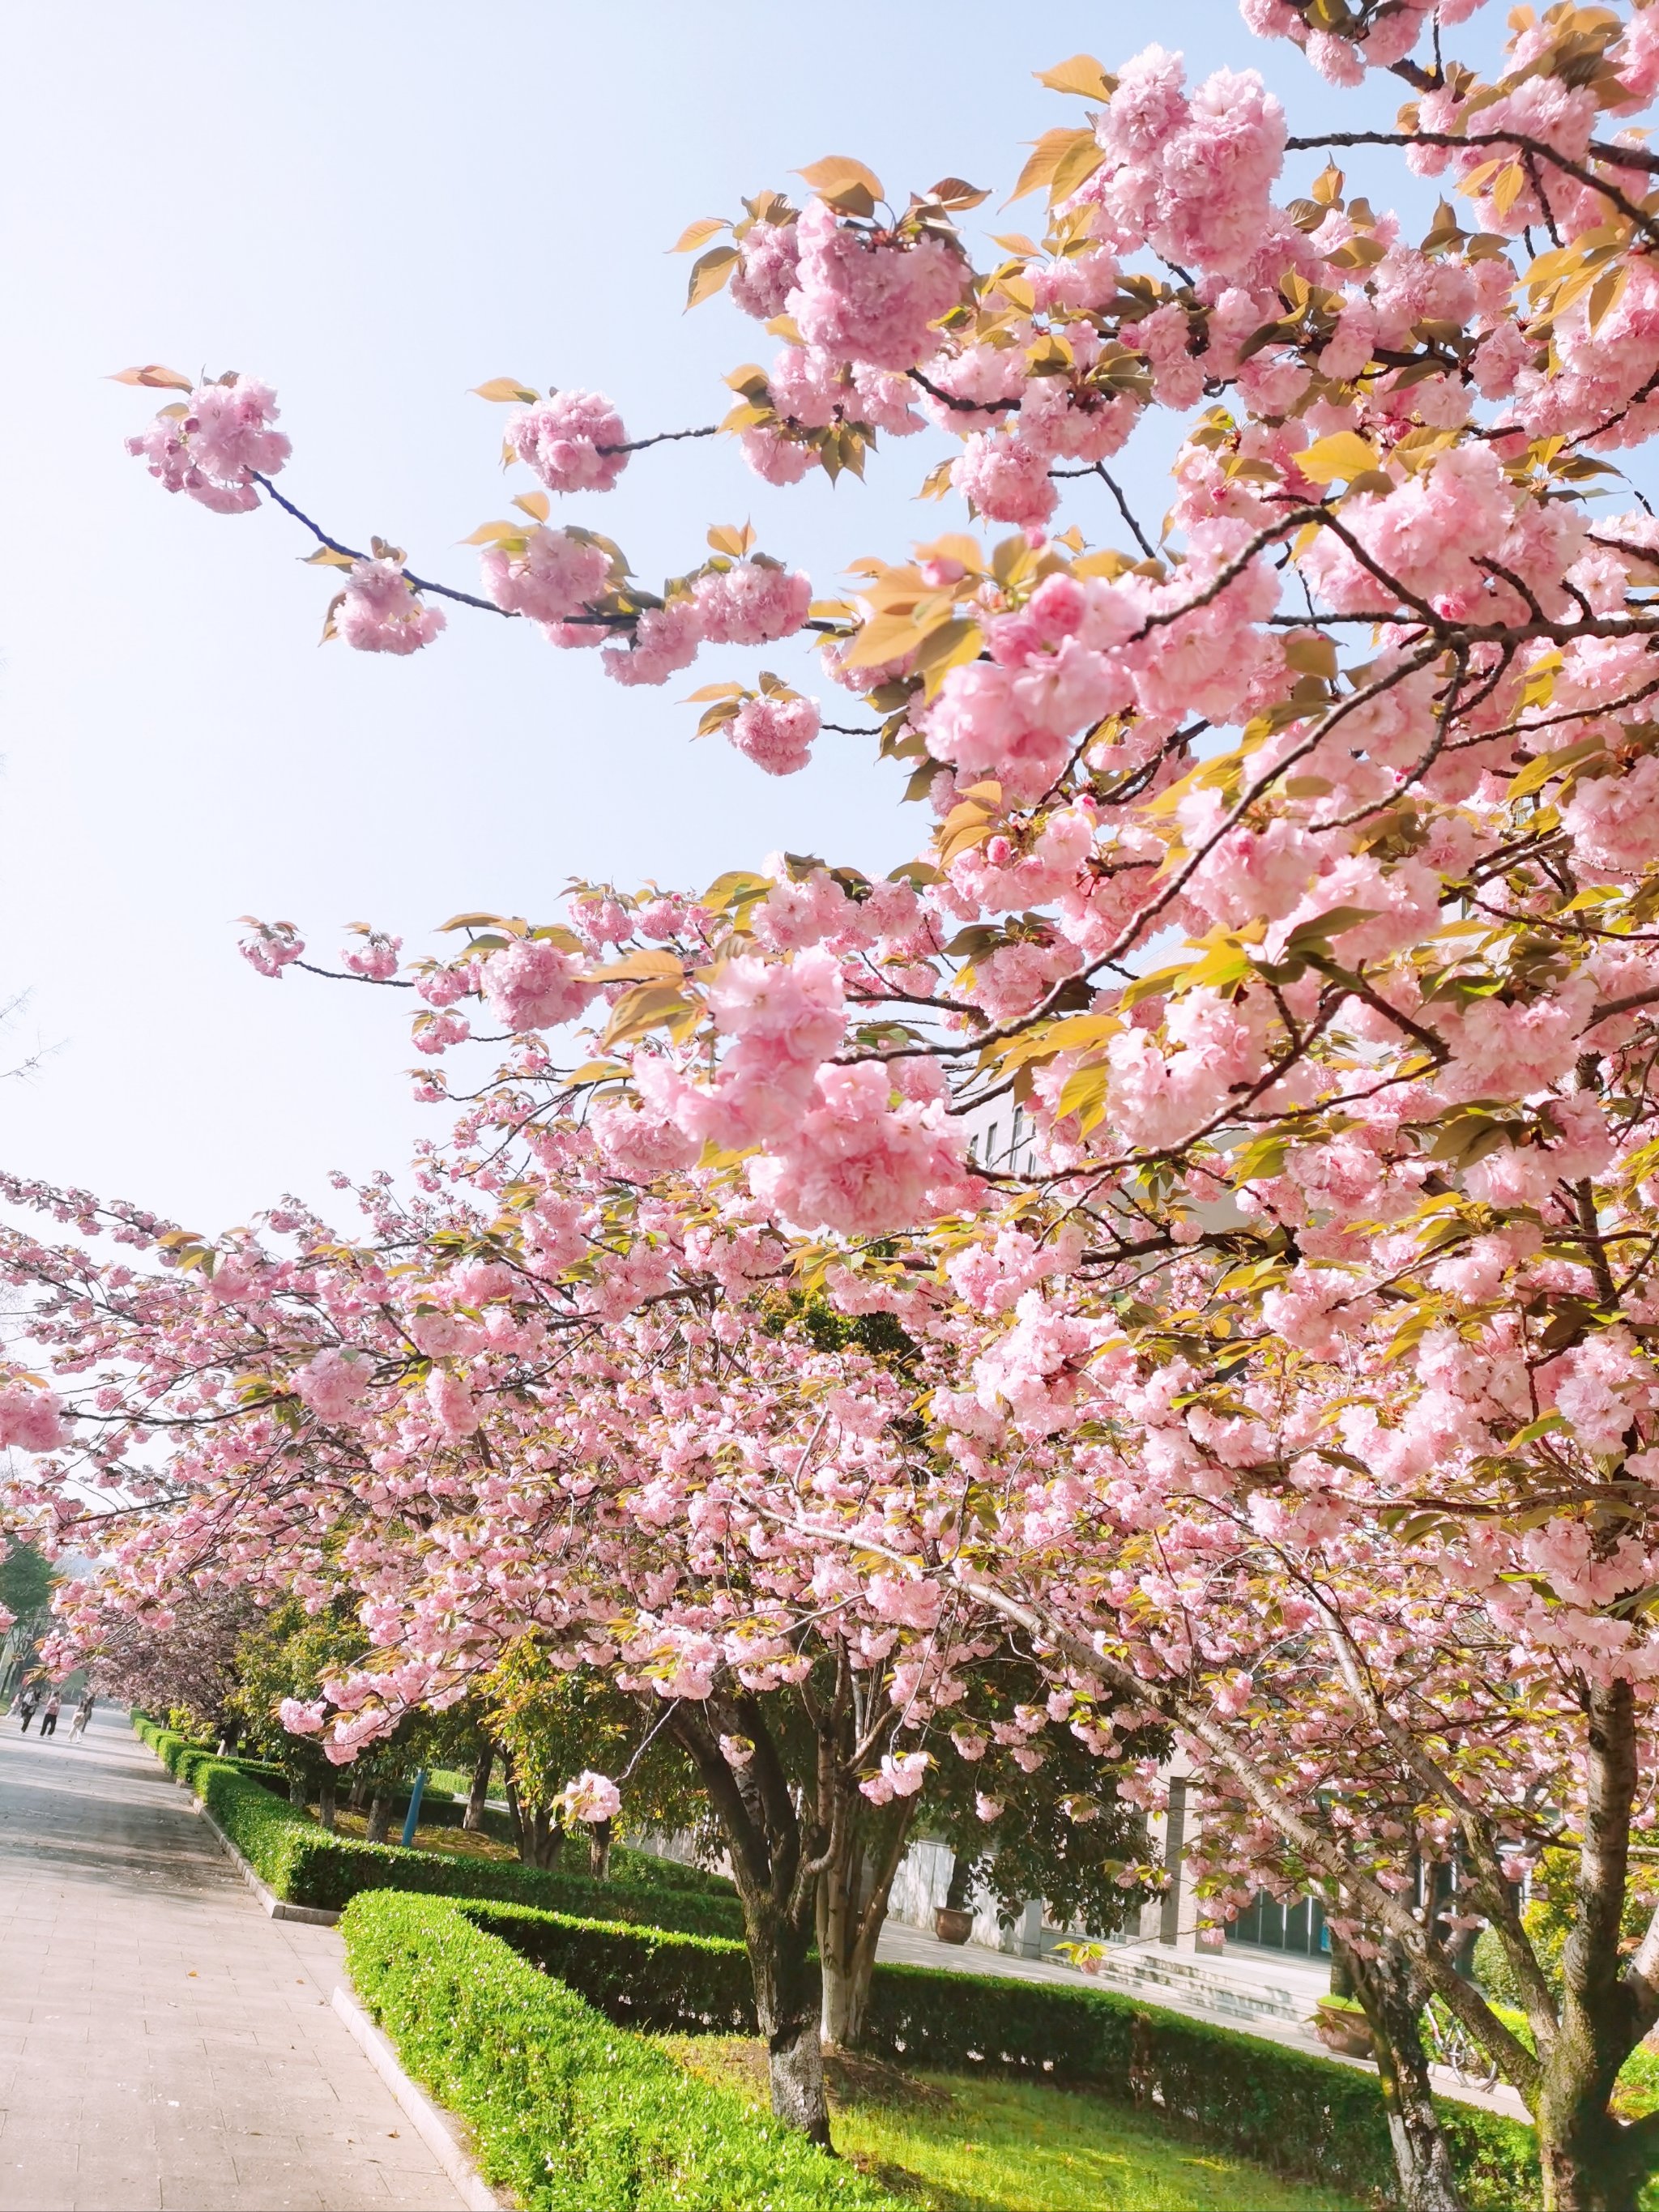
477 1795
298 1796
851 1910
1592 2161
598 1851
1394 1993
771 1832
326 1801
380 1817
540 1837
787 2004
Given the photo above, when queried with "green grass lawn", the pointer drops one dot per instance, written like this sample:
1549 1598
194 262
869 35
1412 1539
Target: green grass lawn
972 2143
455 1843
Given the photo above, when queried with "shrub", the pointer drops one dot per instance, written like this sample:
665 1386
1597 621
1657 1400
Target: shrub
305 1865
1296 2113
646 1870
653 1978
570 2114
1285 2109
1288 2110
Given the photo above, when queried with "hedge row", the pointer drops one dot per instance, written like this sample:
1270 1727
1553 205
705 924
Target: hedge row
1283 2108
442 1809
305 1865
1294 2112
651 1979
568 2114
660 1969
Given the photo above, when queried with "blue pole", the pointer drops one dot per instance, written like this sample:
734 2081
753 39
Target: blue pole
412 1817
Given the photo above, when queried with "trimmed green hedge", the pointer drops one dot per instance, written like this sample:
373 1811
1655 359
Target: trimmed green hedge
643 1960
442 1809
569 2114
1285 2109
653 1978
305 1865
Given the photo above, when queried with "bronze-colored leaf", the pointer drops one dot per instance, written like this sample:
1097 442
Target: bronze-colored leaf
699 234
507 388
1082 74
154 378
709 274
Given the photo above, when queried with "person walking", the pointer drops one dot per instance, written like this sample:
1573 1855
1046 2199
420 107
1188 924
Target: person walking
27 1699
49 1718
82 1715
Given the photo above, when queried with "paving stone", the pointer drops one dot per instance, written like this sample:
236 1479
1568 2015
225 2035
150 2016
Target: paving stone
164 2047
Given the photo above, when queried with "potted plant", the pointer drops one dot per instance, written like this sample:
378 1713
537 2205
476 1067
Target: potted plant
1340 2024
953 1921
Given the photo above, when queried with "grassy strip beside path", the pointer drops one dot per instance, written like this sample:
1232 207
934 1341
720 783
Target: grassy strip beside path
972 2143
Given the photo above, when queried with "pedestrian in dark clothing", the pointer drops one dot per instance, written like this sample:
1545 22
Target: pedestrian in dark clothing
49 1718
28 1698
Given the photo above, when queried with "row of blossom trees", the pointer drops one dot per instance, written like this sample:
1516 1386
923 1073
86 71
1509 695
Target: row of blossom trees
1293 868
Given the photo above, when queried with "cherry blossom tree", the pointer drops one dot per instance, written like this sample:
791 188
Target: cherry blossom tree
1293 868
517 1421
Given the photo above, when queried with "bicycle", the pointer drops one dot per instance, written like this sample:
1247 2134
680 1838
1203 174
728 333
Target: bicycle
1449 2043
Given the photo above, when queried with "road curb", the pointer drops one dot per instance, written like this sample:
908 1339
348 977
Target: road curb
316 1915
436 2128
278 1908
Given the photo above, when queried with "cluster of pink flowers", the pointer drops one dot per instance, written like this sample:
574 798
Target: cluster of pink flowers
860 296
559 573
776 734
30 1419
573 441
213 445
380 610
533 985
751 603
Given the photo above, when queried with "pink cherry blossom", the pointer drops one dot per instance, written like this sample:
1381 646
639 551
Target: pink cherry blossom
776 734
751 603
665 640
30 1419
558 573
590 1798
572 440
533 985
381 612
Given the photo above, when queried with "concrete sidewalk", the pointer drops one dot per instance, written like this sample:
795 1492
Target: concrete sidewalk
162 2044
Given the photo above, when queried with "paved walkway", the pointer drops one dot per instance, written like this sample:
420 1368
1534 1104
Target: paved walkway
162 2044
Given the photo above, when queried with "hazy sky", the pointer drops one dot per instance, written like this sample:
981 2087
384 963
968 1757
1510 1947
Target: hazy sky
375 207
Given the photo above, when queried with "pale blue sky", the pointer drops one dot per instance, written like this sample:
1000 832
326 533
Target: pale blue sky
375 207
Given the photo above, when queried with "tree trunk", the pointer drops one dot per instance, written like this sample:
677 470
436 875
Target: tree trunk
1394 1994
359 1794
325 1802
761 1818
298 1796
598 1851
787 2008
1584 2162
852 1892
1592 2161
479 1794
380 1817
537 1836
541 1838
